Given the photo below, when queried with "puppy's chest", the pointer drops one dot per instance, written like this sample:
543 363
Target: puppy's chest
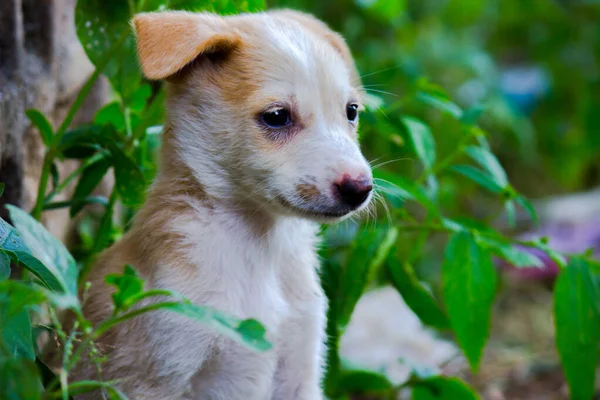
251 279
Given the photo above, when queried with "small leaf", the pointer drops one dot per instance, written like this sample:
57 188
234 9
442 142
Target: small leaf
44 126
364 382
4 266
442 104
397 188
2 186
248 332
129 287
140 97
53 254
478 177
469 285
103 29
111 114
472 115
79 387
101 200
90 178
442 388
515 255
15 334
16 299
129 179
19 380
422 140
416 297
368 254
577 323
13 245
490 163
89 137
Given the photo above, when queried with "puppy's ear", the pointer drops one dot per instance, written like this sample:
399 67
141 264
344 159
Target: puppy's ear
168 41
321 29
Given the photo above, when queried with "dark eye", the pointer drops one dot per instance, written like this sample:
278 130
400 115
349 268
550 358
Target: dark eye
278 118
352 112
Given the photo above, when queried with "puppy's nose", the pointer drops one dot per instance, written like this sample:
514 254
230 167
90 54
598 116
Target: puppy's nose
354 191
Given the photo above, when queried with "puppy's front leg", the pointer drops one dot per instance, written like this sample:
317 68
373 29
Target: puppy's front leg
236 374
299 368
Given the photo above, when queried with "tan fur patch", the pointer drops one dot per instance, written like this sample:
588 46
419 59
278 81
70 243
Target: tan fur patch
168 41
307 191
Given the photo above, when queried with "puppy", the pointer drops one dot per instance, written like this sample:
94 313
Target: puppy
259 146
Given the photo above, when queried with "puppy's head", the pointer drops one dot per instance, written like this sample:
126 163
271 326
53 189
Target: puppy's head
263 109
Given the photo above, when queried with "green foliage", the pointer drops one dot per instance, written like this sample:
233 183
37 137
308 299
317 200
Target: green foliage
441 388
451 137
469 285
576 302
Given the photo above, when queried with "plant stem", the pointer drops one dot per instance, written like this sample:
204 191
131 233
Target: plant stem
90 161
41 194
52 151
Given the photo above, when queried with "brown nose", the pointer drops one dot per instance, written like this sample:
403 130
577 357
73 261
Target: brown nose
354 192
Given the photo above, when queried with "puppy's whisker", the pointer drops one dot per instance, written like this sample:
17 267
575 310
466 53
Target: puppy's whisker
381 71
382 92
389 162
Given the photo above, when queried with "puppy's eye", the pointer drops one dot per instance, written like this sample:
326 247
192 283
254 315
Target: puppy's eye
352 112
278 118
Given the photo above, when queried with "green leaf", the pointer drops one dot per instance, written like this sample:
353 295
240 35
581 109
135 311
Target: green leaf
469 285
385 10
422 140
490 163
85 140
478 177
442 388
518 257
16 299
4 266
129 179
53 254
13 245
247 332
416 297
472 115
102 24
577 323
442 104
15 335
129 287
90 178
111 114
396 187
371 247
367 382
16 296
41 122
140 97
101 200
19 380
2 186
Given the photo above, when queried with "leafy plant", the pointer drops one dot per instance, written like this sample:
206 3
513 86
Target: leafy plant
419 200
